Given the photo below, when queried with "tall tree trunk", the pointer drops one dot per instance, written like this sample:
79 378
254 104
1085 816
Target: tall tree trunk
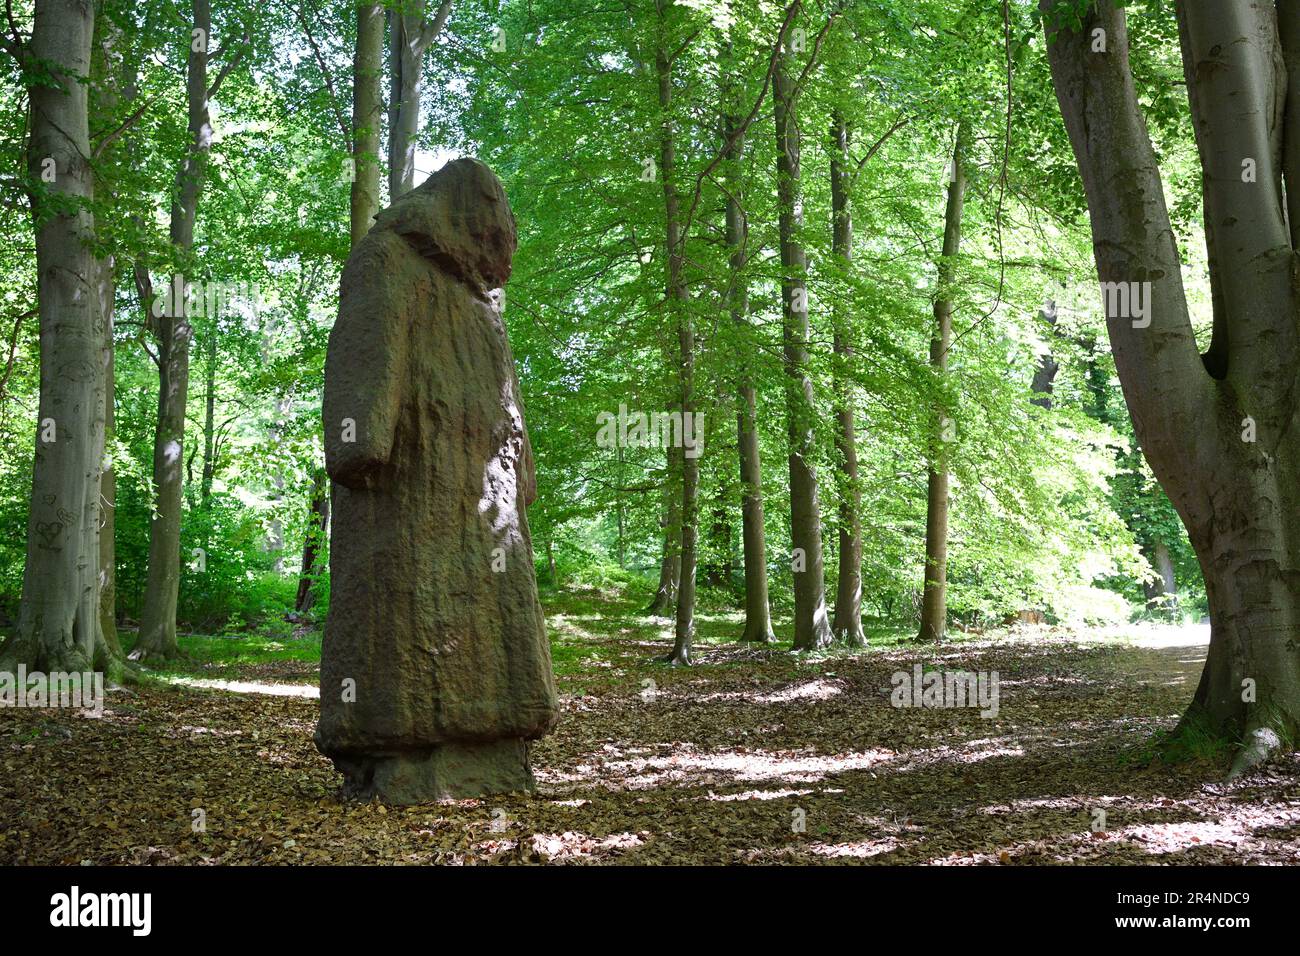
209 421
619 510
1045 374
58 617
367 113
847 625
812 626
317 527
116 81
1217 429
367 110
1162 593
158 620
108 482
934 601
677 305
670 562
758 612
409 35
717 572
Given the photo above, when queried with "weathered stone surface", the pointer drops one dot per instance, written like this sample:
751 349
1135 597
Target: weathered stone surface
434 618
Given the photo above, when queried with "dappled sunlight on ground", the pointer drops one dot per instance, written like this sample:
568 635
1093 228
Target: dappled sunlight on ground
247 687
754 755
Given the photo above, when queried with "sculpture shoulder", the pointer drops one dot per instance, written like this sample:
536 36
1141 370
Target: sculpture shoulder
374 270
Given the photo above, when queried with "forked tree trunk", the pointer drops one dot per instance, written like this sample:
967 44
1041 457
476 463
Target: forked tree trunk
812 626
934 599
409 35
847 625
158 619
1217 429
58 617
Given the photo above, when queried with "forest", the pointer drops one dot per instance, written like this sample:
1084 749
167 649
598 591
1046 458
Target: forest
649 432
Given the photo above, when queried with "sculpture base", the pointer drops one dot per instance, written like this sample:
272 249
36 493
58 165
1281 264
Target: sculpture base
456 770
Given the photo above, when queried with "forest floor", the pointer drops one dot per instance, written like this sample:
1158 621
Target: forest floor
754 755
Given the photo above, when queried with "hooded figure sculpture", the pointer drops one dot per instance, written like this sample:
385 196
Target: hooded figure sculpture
435 669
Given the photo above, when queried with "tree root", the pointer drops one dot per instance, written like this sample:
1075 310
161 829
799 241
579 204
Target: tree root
1260 744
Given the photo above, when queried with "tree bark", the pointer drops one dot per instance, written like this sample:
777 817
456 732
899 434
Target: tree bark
670 562
108 482
1190 412
317 528
847 625
812 626
758 612
174 331
934 601
677 305
209 473
367 110
1045 374
1162 593
409 35
115 83
58 617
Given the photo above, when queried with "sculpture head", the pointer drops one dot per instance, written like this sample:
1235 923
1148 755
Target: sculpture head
459 218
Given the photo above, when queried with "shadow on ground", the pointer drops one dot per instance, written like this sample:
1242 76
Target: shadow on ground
754 755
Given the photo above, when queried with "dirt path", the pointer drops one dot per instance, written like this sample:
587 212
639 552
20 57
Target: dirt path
755 755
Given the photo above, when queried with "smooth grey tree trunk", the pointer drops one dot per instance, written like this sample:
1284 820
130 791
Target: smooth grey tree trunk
367 113
934 599
1045 373
1162 593
409 35
812 626
758 612
114 83
174 333
58 617
677 306
209 473
847 623
108 482
1194 415
670 562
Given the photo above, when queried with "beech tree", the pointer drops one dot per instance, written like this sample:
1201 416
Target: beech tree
367 110
934 600
812 626
678 308
1218 427
758 612
58 620
409 36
